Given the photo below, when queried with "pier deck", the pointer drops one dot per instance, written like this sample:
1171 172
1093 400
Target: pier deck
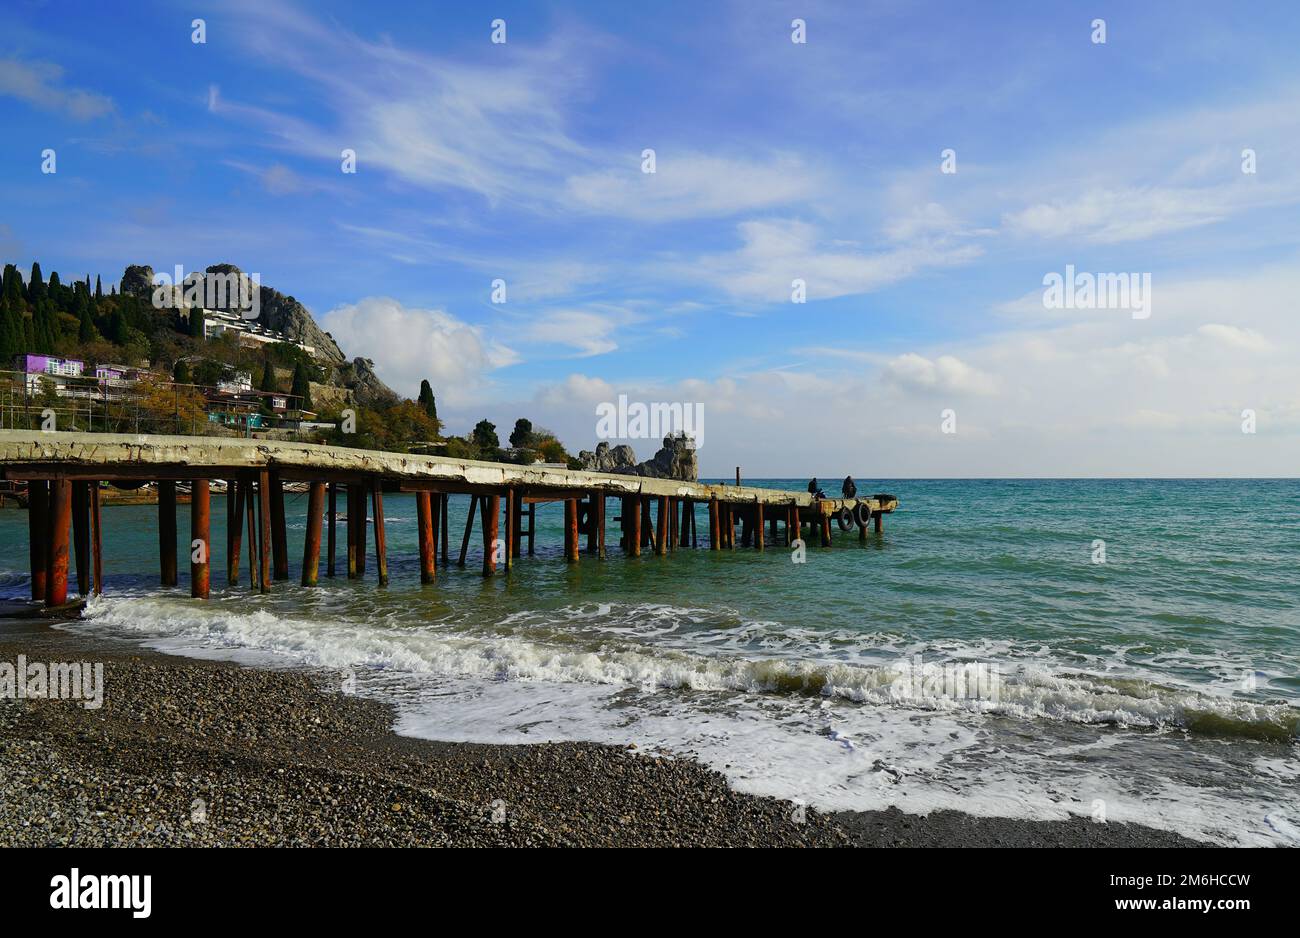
63 471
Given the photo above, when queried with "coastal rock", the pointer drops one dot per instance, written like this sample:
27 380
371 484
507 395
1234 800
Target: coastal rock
359 376
608 459
675 460
137 279
285 314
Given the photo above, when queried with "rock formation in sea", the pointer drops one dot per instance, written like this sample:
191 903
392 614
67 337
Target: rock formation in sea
675 460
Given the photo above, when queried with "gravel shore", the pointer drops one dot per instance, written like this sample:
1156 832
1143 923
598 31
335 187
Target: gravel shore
187 752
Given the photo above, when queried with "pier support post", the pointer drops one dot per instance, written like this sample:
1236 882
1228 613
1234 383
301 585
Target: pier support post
279 537
647 525
469 528
632 518
715 527
427 535
878 519
167 531
38 532
532 526
758 526
792 532
491 521
599 505
96 541
444 512
593 536
824 520
201 531
81 535
381 536
571 530
60 514
331 515
264 535
729 525
311 545
661 532
234 528
512 498
673 530
249 498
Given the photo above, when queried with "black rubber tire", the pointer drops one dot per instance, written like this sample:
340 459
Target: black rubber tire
862 514
845 519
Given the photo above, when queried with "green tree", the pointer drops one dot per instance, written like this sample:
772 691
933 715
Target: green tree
522 435
426 399
268 382
485 438
301 387
181 373
35 284
99 288
196 323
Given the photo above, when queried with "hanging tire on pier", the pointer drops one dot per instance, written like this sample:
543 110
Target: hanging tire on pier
862 514
844 517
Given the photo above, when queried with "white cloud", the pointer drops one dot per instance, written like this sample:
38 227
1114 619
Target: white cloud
588 331
1247 339
776 252
692 185
945 374
408 344
37 83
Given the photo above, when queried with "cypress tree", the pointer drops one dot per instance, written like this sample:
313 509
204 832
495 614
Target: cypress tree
268 382
301 387
35 284
427 400
196 322
99 288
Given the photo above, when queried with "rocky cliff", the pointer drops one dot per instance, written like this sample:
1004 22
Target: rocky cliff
676 459
286 315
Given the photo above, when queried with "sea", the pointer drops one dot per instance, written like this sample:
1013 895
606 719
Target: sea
1124 650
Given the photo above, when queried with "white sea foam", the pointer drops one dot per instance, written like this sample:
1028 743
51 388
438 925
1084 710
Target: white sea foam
776 725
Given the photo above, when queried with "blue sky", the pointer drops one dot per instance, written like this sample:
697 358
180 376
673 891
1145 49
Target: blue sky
774 161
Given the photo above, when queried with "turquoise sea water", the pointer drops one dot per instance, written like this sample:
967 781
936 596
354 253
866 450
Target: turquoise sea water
1160 686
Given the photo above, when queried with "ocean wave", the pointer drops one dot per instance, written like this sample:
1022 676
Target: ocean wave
1012 689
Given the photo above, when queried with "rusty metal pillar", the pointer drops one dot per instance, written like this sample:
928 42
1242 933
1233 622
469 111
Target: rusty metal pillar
234 529
81 535
279 534
332 522
491 530
200 538
311 545
571 530
264 530
59 516
381 536
96 541
38 532
167 531
427 531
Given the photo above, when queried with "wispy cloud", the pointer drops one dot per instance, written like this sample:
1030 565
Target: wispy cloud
40 85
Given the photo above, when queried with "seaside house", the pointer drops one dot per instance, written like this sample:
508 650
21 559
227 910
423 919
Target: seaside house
217 322
39 369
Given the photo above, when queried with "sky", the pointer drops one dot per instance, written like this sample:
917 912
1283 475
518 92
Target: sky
921 169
